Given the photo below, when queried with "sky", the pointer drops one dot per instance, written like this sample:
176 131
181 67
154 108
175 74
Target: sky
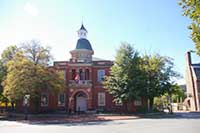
151 26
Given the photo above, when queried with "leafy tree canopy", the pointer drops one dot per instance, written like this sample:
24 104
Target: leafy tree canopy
158 76
133 76
6 56
8 53
125 75
27 72
175 95
191 9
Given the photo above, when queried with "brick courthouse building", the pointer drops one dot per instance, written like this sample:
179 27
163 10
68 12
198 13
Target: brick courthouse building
192 83
84 90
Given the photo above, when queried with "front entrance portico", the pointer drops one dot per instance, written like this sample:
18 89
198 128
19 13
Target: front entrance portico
81 102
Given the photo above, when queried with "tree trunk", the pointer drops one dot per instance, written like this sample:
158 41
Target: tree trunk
170 104
151 101
13 107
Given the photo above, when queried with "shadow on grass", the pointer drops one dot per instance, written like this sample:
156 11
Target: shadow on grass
84 120
89 123
71 120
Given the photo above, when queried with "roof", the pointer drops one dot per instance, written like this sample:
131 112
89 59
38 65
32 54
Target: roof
197 72
102 63
83 43
196 65
196 68
97 59
83 28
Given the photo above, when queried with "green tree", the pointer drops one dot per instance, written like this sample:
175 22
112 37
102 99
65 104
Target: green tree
6 56
158 76
31 79
174 95
124 81
133 76
191 9
2 76
178 94
30 65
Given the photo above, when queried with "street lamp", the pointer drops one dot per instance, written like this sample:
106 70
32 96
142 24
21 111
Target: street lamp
26 102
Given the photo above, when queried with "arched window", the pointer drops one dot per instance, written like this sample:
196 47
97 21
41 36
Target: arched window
81 74
87 74
73 74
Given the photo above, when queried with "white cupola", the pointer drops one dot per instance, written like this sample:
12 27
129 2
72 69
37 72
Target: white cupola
82 32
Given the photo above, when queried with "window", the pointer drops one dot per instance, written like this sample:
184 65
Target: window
138 102
61 99
26 100
101 99
101 74
80 60
44 99
73 74
117 103
81 74
87 74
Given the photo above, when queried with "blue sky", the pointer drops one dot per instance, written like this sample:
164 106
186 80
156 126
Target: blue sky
152 26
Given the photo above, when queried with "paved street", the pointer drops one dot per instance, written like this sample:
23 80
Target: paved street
184 123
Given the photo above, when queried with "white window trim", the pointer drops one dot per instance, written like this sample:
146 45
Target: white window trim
28 102
59 99
99 104
98 71
138 102
42 105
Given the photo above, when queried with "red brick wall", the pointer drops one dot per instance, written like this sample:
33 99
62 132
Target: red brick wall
96 88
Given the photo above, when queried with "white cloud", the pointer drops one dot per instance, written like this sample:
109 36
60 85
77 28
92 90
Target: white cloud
31 9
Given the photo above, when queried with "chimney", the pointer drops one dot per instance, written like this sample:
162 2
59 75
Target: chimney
188 58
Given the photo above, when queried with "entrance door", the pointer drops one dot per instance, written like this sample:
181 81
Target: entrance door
81 103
